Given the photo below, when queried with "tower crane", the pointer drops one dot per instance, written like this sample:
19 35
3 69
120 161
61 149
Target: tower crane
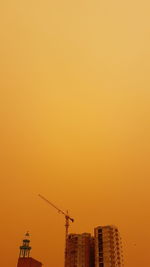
67 219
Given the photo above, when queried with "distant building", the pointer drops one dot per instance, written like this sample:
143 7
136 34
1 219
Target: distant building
108 247
80 250
28 262
24 257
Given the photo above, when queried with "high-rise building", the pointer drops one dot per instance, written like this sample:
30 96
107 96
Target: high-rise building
24 257
108 247
80 250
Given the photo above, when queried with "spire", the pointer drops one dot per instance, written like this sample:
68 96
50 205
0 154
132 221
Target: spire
25 248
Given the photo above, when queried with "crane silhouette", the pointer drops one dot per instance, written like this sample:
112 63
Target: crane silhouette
67 219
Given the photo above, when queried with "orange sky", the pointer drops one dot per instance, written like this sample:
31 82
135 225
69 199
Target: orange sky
75 123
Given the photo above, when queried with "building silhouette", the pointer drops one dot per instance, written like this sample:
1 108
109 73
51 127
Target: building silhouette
108 247
102 250
24 256
80 250
84 250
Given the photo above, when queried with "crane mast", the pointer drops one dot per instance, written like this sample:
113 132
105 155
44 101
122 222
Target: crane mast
67 219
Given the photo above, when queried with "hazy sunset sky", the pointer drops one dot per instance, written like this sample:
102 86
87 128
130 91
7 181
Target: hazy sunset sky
75 124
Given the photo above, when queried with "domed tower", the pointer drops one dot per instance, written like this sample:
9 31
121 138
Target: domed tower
24 256
25 248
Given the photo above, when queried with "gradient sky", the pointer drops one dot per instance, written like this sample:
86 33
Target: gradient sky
75 123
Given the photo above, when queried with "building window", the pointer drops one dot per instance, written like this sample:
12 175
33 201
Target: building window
101 259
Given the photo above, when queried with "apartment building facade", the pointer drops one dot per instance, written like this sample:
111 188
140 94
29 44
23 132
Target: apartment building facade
80 250
108 247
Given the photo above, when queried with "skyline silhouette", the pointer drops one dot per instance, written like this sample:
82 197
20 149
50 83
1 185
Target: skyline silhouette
75 124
